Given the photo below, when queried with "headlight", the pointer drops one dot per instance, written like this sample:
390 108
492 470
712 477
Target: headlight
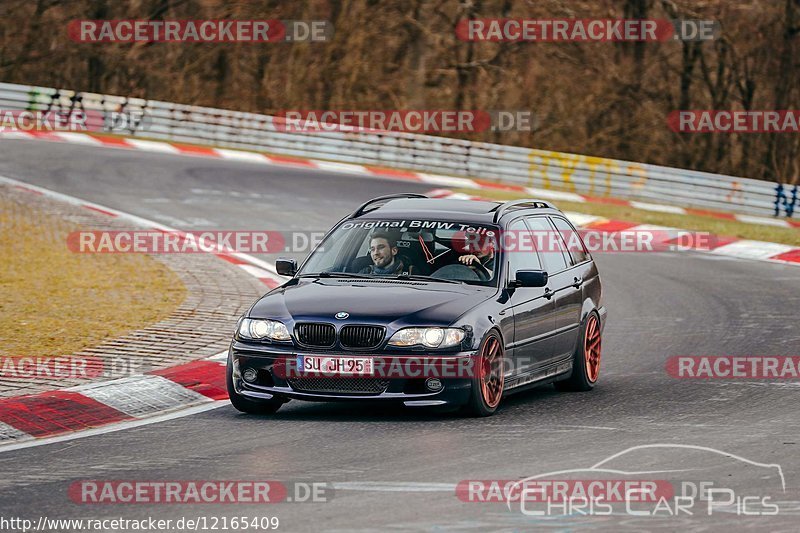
256 328
428 337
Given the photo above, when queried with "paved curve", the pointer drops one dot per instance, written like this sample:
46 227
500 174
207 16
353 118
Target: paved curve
660 305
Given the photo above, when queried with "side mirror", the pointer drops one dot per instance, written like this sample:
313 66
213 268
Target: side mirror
530 278
286 267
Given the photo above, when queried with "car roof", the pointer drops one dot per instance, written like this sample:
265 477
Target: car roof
466 210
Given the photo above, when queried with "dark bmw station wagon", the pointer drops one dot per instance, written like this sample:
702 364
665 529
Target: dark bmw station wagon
426 302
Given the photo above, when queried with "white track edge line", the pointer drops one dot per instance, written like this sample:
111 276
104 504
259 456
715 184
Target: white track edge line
117 426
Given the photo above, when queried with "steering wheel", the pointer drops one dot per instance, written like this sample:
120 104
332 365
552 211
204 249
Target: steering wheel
482 272
456 272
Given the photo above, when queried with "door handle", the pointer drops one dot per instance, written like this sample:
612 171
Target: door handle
578 282
548 293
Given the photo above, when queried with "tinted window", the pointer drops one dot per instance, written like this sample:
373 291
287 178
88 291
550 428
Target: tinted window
573 240
521 253
551 247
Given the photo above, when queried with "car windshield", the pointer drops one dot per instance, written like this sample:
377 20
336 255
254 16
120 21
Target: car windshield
418 249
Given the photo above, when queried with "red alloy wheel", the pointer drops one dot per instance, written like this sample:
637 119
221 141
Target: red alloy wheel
492 378
591 348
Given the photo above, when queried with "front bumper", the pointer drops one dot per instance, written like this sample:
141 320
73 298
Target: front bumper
274 381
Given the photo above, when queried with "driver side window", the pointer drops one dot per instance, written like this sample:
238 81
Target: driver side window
520 248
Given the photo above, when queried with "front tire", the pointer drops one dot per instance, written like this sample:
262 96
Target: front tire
246 405
586 360
489 379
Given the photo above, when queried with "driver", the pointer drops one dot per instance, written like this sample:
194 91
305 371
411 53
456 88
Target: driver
383 251
482 255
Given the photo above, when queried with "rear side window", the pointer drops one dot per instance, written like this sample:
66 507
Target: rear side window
551 253
574 242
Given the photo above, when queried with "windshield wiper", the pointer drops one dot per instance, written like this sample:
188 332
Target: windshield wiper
335 275
419 277
403 277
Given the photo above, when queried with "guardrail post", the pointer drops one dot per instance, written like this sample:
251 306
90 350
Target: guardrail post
55 97
31 99
779 196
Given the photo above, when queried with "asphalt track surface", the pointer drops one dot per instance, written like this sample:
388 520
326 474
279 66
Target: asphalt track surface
394 469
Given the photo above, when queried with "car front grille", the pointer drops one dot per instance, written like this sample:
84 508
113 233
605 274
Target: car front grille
340 385
312 334
361 336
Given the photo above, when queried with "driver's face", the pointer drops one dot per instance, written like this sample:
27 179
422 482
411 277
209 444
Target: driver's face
380 251
483 249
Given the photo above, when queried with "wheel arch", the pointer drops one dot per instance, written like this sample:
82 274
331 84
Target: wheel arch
589 306
482 328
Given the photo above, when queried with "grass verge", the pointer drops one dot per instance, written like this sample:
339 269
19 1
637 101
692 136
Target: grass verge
55 302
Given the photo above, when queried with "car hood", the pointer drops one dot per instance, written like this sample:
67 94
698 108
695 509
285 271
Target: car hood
372 301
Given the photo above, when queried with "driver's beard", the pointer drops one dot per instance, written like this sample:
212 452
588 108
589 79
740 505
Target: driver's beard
386 269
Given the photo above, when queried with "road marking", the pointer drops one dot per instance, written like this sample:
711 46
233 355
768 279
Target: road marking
141 396
221 356
448 181
250 157
255 271
78 138
153 146
546 194
750 219
658 208
11 433
111 428
331 166
752 249
580 220
394 486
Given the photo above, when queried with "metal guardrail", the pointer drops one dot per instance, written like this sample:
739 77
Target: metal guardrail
592 176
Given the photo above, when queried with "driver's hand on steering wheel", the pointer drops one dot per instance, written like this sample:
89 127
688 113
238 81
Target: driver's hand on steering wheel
468 259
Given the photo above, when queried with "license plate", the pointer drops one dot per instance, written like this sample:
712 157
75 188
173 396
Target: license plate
313 364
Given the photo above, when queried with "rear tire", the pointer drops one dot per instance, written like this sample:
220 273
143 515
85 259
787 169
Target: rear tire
586 360
489 380
246 405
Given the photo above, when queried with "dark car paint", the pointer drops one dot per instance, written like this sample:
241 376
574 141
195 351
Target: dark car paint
395 304
539 325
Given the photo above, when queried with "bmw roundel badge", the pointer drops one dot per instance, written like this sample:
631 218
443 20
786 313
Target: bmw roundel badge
341 315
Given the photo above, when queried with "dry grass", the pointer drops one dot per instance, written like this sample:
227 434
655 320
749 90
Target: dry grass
717 226
55 302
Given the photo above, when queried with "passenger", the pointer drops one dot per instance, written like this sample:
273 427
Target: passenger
383 251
